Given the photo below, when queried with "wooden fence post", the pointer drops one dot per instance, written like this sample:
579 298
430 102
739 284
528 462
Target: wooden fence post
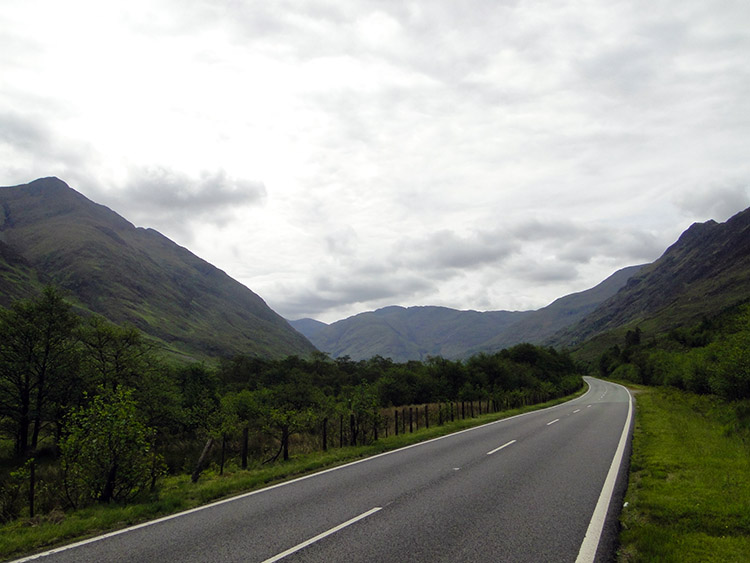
325 434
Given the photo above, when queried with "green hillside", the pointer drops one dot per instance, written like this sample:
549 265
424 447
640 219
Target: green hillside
52 234
703 273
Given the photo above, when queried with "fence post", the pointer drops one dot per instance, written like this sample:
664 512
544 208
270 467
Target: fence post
341 431
427 416
411 419
325 434
396 418
440 414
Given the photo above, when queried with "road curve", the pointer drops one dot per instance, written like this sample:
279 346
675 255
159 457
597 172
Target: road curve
527 488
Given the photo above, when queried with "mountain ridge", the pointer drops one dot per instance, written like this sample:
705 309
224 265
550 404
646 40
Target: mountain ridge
415 333
706 270
137 275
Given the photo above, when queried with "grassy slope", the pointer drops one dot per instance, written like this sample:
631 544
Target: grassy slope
689 491
136 275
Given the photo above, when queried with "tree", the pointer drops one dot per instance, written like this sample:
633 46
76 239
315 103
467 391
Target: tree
115 355
106 455
37 364
241 411
289 408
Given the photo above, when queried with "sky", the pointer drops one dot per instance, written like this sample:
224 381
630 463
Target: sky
341 156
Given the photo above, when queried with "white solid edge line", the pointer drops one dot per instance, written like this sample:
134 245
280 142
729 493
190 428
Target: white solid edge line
271 487
501 447
587 552
321 536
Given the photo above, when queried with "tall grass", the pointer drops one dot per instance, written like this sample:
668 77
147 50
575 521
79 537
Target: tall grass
689 493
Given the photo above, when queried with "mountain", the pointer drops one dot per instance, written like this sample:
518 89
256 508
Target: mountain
308 327
49 233
704 272
540 325
414 333
411 333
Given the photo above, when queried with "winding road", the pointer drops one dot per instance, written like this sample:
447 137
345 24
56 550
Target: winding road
542 486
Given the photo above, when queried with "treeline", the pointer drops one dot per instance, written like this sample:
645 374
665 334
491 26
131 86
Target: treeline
91 412
710 357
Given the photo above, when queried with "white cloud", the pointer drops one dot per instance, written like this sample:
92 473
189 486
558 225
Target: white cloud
338 156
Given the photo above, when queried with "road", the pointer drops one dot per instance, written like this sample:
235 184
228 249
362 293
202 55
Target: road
521 489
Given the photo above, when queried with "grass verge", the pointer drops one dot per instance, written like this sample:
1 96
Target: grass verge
177 493
688 497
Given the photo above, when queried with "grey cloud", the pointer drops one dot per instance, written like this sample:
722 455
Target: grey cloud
367 292
535 229
29 136
342 242
22 132
171 201
718 201
543 272
168 190
446 249
359 290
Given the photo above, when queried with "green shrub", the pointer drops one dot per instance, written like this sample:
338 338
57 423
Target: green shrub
106 457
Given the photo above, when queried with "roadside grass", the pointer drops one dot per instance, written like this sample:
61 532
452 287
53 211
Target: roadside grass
688 498
176 493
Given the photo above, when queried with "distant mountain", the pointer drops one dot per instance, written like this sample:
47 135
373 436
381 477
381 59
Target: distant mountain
540 325
411 333
49 233
705 271
308 327
415 333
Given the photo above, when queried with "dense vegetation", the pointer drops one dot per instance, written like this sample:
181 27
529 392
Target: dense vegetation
89 412
711 357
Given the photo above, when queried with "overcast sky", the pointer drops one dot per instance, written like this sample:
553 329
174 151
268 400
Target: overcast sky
340 156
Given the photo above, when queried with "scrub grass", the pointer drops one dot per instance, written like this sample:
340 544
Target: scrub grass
688 497
177 493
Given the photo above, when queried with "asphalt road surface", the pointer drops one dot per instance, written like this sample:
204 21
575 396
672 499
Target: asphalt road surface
536 487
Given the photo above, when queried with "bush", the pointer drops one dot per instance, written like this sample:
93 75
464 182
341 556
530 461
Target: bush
106 456
627 372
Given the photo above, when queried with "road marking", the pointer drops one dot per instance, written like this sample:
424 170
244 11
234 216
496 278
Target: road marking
577 410
552 422
319 537
590 544
501 447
